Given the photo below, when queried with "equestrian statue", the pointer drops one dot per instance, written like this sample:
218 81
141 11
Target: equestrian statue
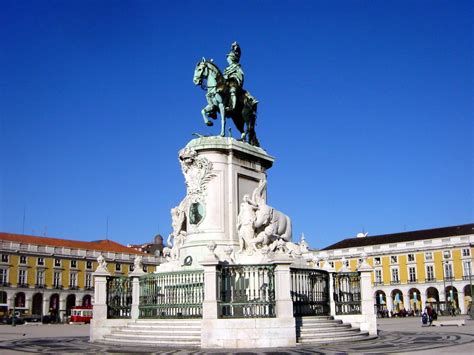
225 95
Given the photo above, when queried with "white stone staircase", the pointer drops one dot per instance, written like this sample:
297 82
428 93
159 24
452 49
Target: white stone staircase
160 332
320 330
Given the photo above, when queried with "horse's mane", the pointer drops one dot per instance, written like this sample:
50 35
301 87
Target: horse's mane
211 63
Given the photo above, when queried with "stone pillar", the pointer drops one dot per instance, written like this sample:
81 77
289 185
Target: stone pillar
209 304
135 276
422 302
284 304
367 294
332 304
369 318
45 305
28 302
406 301
100 294
62 306
389 299
462 301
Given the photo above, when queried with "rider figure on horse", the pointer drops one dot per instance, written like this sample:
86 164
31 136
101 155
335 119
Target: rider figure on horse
234 76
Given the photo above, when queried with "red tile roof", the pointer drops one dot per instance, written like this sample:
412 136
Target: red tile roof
100 245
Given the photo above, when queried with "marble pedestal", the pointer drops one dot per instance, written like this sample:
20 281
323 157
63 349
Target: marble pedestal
236 170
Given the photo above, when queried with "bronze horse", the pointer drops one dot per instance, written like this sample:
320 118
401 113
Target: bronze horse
245 113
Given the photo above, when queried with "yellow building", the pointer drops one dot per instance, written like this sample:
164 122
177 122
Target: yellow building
49 276
412 269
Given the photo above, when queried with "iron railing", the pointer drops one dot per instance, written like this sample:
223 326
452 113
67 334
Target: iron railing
246 291
119 297
310 292
171 295
347 293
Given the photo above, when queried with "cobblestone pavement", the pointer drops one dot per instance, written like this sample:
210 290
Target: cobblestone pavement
413 338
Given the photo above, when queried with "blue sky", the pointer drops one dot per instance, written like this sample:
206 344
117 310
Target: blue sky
366 105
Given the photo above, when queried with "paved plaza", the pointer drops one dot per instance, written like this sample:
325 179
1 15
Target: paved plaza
404 335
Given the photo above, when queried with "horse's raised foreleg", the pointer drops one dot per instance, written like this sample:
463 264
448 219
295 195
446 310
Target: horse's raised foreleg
205 112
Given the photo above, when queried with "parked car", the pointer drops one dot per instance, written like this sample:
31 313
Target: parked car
18 320
49 319
32 318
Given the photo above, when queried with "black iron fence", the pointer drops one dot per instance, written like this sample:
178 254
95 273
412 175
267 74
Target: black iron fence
347 297
119 297
246 291
310 292
171 295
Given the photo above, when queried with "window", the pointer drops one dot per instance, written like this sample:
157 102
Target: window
73 279
395 277
40 277
448 271
40 261
412 274
118 267
88 280
88 264
22 259
428 256
377 260
411 257
57 279
430 273
378 276
57 262
21 277
466 252
145 268
466 265
131 267
394 259
4 258
447 254
73 263
3 276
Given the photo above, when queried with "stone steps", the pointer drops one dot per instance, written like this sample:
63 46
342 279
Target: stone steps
326 330
162 332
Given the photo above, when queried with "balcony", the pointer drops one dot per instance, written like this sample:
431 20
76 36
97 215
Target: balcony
467 278
430 279
5 284
89 288
22 285
378 283
395 282
73 287
449 278
412 281
57 287
40 286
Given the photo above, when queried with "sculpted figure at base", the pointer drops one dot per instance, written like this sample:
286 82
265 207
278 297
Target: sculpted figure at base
178 236
246 225
225 95
262 227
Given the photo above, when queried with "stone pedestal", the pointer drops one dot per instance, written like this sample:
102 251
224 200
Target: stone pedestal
214 194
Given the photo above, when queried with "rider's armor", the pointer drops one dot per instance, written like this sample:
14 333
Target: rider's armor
233 74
